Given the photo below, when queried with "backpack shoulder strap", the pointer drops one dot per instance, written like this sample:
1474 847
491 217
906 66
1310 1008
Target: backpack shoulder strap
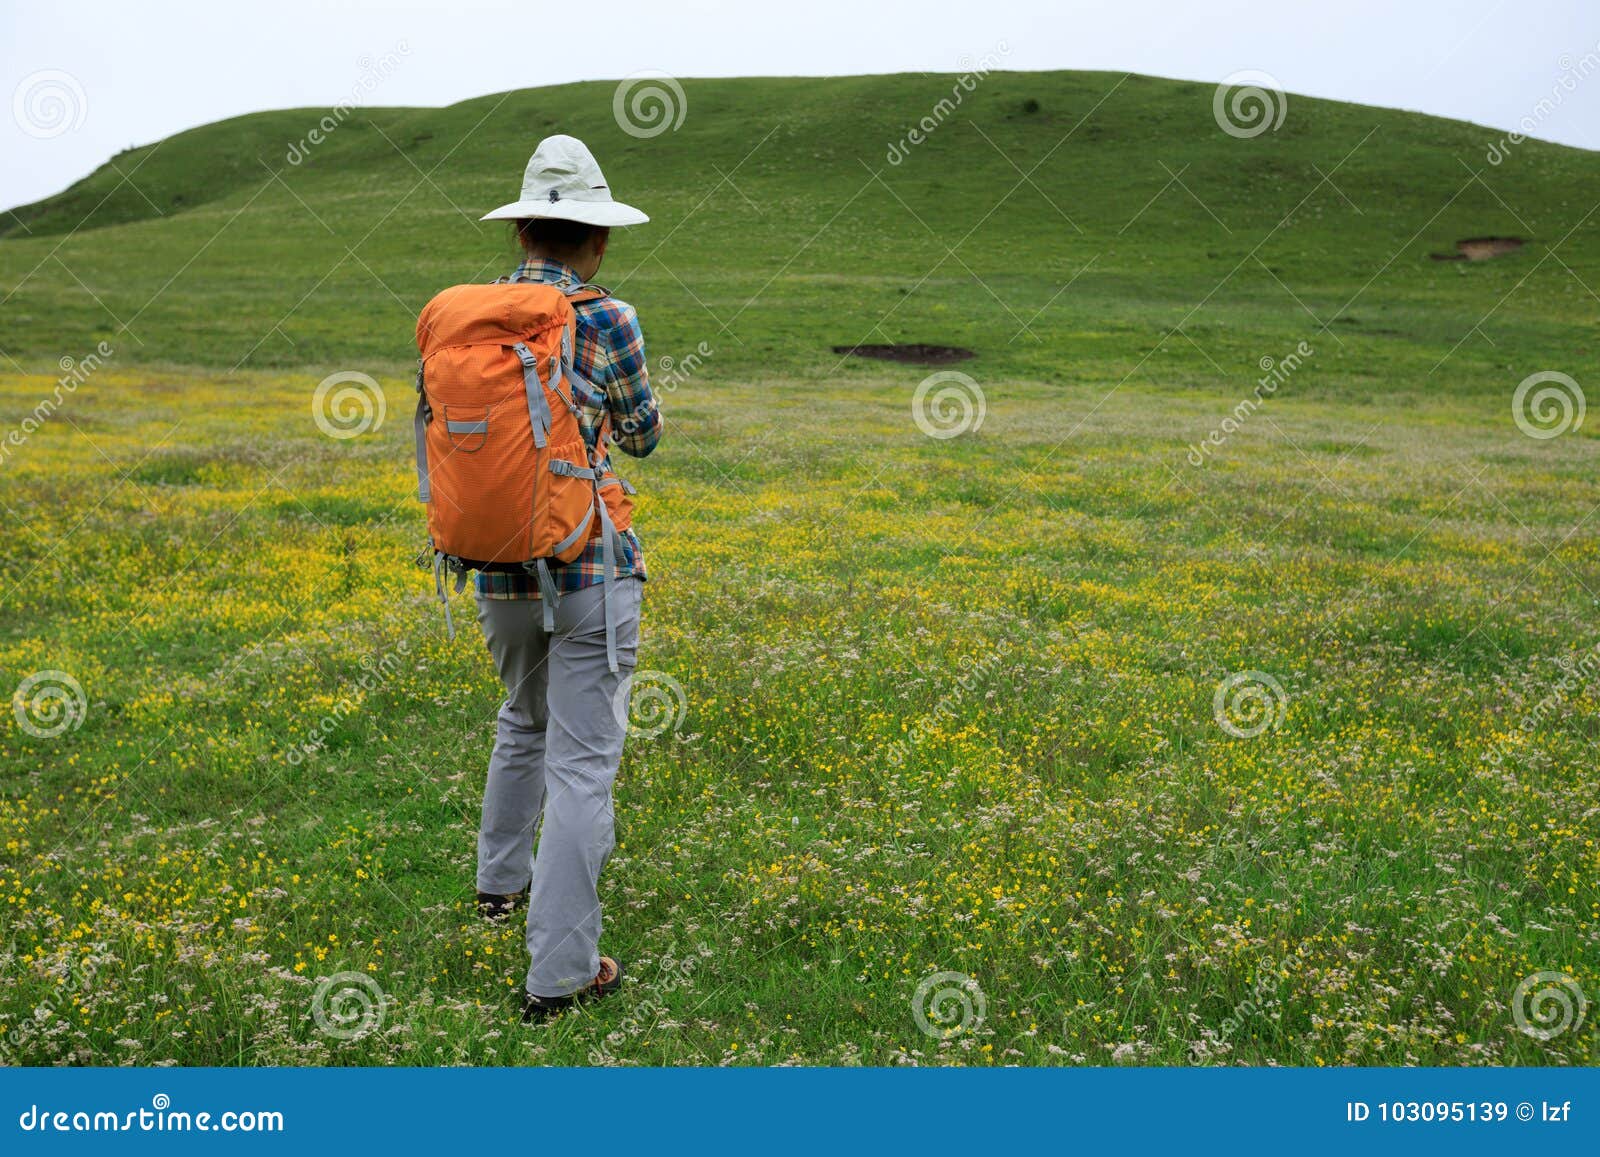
575 296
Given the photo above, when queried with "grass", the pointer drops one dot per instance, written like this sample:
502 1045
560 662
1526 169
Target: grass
947 704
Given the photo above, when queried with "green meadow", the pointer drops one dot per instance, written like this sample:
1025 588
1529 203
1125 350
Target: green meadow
1202 672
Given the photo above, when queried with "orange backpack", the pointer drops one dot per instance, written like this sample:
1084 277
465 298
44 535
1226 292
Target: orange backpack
502 463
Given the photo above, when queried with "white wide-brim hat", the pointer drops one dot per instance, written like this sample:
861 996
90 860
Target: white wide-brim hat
564 181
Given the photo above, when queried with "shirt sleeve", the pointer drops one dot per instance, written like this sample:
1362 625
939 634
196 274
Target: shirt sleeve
635 417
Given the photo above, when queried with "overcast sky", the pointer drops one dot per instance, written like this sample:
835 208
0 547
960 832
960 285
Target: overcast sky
129 73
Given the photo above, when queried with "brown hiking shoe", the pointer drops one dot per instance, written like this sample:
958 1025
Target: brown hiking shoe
605 982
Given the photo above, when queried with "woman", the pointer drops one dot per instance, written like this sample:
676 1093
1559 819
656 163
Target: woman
560 733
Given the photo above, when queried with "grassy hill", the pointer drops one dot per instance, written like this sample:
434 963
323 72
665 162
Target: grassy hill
780 229
1053 741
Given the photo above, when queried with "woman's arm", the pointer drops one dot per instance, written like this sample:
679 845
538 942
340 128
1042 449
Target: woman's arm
635 417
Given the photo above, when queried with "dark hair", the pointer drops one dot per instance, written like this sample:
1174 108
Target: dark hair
554 234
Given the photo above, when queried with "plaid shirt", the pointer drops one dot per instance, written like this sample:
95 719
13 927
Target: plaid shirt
609 351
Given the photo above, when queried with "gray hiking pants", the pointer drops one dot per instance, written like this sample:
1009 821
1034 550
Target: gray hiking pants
556 752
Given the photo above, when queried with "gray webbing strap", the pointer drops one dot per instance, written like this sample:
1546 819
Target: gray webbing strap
547 594
481 426
582 389
419 430
567 470
561 367
438 586
608 555
538 408
581 532
555 373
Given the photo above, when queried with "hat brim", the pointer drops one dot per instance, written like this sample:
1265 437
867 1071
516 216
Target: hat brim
584 212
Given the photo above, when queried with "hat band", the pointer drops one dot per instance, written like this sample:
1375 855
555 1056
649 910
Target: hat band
552 195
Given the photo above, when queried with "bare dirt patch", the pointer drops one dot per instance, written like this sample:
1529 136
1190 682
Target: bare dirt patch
1481 248
914 353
